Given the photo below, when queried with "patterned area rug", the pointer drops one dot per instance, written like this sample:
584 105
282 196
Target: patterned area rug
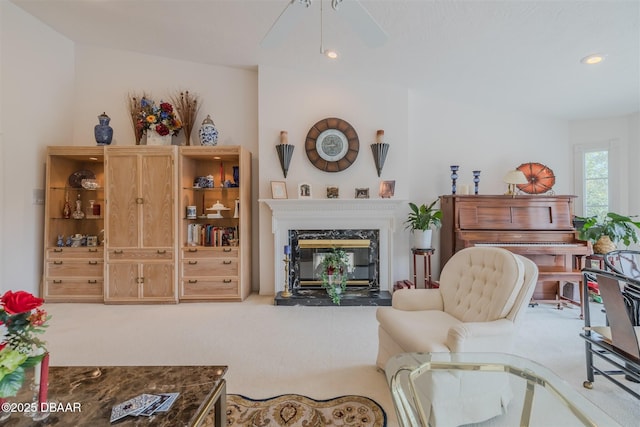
294 410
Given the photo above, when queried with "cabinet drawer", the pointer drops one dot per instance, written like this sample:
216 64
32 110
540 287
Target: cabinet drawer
74 289
75 268
209 288
140 254
203 252
216 267
84 252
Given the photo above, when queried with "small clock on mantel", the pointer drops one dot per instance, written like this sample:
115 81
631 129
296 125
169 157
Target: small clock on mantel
332 145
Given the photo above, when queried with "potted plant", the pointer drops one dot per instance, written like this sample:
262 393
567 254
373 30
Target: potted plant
334 273
421 220
605 232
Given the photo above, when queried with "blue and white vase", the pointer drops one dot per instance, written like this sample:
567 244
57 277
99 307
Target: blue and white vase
102 131
208 132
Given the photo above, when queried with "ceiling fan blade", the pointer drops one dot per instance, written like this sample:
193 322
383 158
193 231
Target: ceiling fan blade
361 21
281 28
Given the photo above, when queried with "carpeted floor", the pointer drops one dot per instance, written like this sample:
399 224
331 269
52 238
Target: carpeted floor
292 410
321 352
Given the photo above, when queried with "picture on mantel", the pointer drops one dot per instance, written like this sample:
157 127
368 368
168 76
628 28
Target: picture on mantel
387 189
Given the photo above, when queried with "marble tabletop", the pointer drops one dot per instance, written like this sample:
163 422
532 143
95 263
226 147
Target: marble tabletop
85 395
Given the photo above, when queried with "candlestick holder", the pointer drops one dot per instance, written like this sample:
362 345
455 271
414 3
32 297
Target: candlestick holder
285 152
379 150
285 292
476 181
454 177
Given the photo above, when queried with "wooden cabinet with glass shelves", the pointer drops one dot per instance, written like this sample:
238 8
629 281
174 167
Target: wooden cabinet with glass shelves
215 243
73 251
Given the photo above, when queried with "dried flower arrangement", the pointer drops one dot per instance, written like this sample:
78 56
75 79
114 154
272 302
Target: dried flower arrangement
187 104
136 111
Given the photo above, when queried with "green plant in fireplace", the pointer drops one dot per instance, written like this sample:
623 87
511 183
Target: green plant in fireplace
335 265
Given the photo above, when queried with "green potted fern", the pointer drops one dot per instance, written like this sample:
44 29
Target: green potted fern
421 221
606 232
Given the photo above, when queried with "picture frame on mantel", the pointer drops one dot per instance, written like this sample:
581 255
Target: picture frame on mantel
304 190
278 190
362 193
387 189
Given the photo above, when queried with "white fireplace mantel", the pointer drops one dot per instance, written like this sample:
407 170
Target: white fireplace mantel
335 214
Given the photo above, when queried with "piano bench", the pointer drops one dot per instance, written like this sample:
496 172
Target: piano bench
561 275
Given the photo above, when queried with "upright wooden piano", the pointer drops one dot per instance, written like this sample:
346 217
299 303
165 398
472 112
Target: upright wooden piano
538 227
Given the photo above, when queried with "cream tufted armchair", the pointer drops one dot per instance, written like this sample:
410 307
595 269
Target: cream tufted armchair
482 296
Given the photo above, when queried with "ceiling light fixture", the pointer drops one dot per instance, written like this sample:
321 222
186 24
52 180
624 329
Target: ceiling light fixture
593 59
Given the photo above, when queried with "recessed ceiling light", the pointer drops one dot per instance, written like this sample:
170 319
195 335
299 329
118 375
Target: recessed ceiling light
595 58
332 54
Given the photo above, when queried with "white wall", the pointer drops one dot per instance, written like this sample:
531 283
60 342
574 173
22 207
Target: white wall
294 101
37 110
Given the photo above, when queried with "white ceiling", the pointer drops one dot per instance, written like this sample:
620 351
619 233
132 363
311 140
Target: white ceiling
519 55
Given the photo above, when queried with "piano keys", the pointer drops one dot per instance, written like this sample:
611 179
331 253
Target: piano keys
538 227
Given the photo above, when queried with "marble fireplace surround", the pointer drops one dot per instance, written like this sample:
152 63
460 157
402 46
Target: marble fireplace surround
334 214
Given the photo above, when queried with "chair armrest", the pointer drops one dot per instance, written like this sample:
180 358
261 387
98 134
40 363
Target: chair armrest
417 299
495 336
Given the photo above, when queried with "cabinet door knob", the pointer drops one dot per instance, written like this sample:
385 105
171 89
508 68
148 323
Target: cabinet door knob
226 262
193 280
57 282
93 250
192 250
139 200
193 262
226 281
118 251
93 262
139 279
58 250
92 282
57 262
226 250
161 251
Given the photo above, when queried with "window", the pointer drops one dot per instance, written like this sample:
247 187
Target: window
597 178
596 183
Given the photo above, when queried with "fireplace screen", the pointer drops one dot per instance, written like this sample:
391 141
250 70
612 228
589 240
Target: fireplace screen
311 246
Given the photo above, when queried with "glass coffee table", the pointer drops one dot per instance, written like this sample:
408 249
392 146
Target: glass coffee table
537 396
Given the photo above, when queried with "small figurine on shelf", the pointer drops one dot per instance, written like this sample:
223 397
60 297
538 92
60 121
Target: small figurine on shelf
69 241
78 214
66 209
60 242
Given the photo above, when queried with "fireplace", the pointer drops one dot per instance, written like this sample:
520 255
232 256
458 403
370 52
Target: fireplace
310 246
348 218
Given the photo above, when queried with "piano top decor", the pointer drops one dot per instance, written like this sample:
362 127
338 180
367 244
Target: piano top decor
540 178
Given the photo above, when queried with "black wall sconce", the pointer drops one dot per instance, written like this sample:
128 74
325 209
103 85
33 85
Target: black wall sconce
285 151
379 150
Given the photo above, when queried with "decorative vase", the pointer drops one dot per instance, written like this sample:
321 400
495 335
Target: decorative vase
208 132
103 132
421 239
154 138
604 245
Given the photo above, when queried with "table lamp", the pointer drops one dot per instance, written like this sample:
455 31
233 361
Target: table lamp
512 178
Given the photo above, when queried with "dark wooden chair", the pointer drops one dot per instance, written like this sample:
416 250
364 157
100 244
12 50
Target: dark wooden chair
612 350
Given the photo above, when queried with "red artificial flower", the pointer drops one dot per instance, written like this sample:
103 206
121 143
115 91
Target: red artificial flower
165 106
20 302
162 129
2 346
